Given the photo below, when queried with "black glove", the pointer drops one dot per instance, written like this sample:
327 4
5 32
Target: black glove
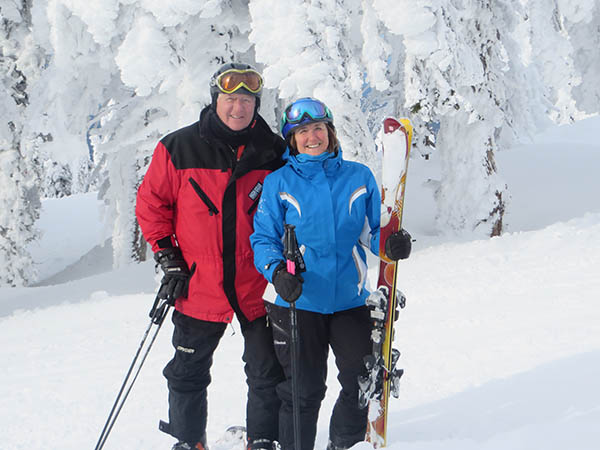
288 286
177 275
398 245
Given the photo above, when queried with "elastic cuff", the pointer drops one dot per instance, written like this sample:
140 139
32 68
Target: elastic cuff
165 242
272 268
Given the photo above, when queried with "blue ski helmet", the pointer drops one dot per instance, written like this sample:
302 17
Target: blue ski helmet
302 111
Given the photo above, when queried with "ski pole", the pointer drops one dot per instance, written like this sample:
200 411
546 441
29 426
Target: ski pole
158 313
295 389
291 251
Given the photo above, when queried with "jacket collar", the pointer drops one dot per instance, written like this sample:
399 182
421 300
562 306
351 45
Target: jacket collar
262 145
309 169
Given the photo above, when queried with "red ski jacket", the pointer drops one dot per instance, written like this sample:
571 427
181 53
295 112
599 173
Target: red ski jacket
198 192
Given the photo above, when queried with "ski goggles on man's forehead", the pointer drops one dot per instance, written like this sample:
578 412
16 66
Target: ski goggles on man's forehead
233 79
298 111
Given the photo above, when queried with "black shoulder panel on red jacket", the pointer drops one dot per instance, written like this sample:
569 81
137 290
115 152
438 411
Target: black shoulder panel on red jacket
189 149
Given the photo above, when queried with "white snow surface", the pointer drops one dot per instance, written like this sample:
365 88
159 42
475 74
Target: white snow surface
500 338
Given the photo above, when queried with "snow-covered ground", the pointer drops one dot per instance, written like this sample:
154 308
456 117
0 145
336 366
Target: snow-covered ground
500 338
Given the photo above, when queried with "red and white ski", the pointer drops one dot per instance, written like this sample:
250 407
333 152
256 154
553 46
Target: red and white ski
383 378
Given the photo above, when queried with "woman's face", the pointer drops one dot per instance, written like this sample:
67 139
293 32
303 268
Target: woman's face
312 138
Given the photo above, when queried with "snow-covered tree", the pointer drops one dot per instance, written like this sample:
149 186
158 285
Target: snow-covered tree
86 177
382 55
19 199
57 181
552 53
320 55
466 89
582 24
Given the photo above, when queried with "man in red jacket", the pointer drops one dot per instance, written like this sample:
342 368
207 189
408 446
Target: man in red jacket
196 206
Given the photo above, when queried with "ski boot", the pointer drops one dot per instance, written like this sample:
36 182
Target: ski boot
185 446
262 444
332 446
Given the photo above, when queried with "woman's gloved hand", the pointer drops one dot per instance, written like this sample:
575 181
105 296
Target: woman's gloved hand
288 286
398 245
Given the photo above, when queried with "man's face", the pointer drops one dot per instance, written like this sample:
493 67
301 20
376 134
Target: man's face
236 110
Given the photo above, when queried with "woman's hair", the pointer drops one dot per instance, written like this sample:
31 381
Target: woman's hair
333 146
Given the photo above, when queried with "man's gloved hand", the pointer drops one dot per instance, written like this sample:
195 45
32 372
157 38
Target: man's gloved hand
176 274
288 286
398 245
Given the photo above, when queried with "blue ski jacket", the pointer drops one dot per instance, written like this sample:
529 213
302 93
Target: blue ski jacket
334 205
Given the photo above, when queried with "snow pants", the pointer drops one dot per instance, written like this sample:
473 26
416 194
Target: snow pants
348 333
188 377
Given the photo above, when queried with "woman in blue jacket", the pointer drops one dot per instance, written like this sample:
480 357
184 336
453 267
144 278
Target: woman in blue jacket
334 205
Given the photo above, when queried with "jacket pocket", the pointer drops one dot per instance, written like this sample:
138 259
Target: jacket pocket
212 209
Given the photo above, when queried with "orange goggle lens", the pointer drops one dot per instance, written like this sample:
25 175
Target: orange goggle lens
232 80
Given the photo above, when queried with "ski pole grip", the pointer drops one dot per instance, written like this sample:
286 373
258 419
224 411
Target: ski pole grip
291 267
288 248
154 306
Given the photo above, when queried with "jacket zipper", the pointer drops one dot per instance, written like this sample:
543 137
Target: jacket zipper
212 209
254 205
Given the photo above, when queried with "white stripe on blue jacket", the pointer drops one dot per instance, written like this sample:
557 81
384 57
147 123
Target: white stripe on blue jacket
330 201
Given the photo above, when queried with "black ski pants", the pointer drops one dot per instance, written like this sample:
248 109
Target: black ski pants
188 377
348 333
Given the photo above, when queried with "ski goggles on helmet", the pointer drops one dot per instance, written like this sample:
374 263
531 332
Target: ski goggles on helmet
303 111
233 79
